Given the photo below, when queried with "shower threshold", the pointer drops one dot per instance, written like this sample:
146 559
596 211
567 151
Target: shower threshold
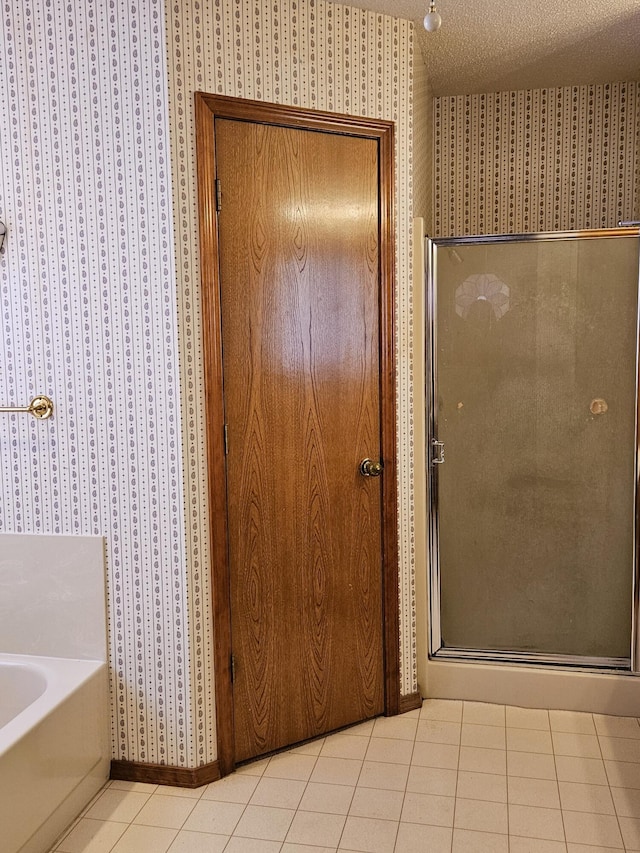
538 659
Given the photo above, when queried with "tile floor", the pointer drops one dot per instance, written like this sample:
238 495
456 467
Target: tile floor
454 777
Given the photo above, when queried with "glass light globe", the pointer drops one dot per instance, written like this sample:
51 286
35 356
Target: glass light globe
432 20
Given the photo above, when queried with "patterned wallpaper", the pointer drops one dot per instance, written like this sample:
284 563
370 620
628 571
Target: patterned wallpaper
539 160
99 286
88 293
422 143
311 54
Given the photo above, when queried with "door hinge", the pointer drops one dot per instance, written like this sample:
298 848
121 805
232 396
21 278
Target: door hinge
232 666
218 195
226 440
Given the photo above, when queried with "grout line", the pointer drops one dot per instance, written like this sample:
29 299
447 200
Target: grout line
555 766
455 795
615 807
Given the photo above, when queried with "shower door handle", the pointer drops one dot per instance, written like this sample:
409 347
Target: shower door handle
438 452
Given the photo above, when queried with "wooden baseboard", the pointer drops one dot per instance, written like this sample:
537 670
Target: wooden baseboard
163 774
410 702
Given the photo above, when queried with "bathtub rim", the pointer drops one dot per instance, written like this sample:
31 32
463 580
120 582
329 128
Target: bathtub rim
64 677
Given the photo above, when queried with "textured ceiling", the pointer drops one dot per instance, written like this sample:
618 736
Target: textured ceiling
496 45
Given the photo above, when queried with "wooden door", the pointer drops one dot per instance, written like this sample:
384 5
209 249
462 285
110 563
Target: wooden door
300 261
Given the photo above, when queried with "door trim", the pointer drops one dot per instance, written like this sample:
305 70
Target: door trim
207 108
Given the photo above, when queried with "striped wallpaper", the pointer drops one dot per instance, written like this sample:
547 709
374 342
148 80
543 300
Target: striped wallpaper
99 286
89 317
539 160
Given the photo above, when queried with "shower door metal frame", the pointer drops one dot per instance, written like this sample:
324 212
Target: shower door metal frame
437 651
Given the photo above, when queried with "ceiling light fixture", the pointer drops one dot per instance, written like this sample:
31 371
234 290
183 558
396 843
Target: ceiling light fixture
432 19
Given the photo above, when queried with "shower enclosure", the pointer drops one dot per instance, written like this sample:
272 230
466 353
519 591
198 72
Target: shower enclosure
533 463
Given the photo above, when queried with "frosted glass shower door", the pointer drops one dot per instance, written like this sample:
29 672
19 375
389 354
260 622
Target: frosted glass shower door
534 364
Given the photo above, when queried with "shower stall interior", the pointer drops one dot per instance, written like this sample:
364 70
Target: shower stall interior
532 379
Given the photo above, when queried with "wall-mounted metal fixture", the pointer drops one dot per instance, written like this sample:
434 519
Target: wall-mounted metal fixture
628 223
3 233
40 407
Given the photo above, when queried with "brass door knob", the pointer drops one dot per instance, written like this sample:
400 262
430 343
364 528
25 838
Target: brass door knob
369 468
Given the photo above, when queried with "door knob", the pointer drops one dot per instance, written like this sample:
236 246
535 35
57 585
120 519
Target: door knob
369 468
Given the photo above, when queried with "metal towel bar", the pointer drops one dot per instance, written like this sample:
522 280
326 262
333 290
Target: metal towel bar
40 407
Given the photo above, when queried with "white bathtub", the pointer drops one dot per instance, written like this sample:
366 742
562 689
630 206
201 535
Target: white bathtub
54 746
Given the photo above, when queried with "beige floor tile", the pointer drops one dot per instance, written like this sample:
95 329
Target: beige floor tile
236 788
530 765
269 824
314 747
394 750
574 769
140 787
253 768
316 829
489 737
442 755
369 835
584 828
542 793
535 845
482 786
447 710
92 836
483 713
145 839
479 760
400 728
361 729
329 799
626 801
214 817
432 780
470 841
174 791
344 746
529 740
198 842
279 793
290 766
420 838
341 771
289 847
534 822
572 721
527 718
438 731
623 774
588 848
570 743
371 802
414 714
428 808
577 797
382 774
630 828
121 806
480 815
168 812
252 845
620 749
617 726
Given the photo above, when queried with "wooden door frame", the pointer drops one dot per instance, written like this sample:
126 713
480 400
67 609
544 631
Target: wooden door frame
207 109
